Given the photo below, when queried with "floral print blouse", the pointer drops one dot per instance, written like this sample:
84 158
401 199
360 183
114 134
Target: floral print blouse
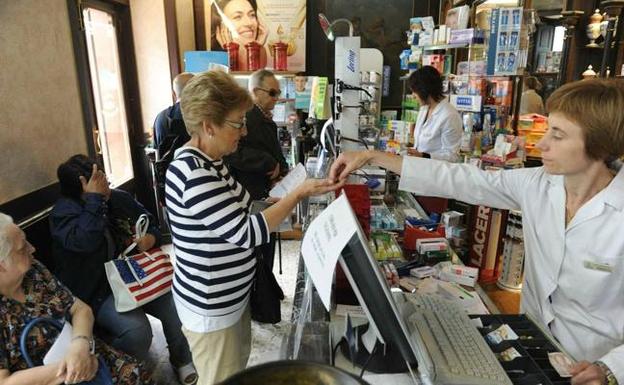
48 297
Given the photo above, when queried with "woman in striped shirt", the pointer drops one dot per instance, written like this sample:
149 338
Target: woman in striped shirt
214 233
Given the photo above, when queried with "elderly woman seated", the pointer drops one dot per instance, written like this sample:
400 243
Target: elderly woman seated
28 291
92 224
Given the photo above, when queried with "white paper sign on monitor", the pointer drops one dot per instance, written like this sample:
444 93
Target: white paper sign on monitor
323 243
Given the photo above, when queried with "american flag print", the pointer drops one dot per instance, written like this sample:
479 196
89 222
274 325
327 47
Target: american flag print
155 273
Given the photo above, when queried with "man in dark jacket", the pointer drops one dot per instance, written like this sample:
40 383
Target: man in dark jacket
169 123
258 162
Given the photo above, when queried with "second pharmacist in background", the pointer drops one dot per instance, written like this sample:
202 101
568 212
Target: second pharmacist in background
438 130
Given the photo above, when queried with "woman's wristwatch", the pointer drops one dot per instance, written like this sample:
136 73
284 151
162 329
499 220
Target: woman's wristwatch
610 377
90 340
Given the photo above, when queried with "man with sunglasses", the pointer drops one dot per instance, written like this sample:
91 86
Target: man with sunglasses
259 162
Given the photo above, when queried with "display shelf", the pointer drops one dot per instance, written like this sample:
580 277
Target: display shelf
445 46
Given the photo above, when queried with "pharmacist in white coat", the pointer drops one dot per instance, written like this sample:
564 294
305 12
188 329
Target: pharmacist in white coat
573 220
438 130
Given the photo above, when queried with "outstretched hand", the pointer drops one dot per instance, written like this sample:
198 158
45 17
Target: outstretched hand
311 187
346 163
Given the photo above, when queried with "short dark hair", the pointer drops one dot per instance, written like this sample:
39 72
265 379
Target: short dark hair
69 174
532 83
425 82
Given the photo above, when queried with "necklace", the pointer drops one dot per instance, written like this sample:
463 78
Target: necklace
569 214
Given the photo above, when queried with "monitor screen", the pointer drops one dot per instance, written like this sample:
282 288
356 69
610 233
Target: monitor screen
375 297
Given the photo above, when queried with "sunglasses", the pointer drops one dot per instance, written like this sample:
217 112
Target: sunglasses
272 92
237 125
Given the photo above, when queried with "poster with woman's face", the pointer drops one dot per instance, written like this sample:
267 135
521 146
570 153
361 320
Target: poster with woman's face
237 23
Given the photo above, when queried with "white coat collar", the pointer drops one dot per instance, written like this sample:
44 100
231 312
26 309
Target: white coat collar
439 107
612 195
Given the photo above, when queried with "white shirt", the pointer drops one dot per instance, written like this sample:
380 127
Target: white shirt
583 305
441 134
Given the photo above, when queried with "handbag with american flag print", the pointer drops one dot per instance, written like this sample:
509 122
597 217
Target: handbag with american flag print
140 278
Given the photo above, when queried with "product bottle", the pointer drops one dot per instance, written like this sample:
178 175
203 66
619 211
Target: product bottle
253 56
232 51
486 138
477 144
489 99
466 140
280 56
500 128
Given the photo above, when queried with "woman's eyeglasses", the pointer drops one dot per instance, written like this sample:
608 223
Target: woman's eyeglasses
272 92
238 125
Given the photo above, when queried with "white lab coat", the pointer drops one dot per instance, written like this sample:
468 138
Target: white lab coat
565 285
440 135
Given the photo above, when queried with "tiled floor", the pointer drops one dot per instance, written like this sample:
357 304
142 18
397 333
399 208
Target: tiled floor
266 338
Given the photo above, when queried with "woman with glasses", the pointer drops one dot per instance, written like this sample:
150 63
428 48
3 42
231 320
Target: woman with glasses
214 233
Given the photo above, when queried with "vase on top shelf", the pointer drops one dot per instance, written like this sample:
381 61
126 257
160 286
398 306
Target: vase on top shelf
593 29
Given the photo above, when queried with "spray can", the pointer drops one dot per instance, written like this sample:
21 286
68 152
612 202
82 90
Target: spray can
466 140
486 139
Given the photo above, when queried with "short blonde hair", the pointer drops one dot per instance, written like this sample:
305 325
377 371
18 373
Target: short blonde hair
597 105
210 96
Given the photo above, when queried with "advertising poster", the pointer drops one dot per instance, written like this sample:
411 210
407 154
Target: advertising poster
264 21
303 91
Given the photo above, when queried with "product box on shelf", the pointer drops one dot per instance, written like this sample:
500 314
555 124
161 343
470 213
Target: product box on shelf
504 42
477 86
504 91
477 67
421 31
451 218
508 152
435 60
466 102
486 241
462 36
533 128
385 246
457 18
451 275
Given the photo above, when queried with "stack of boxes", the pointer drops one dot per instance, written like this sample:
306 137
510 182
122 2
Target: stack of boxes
532 128
512 270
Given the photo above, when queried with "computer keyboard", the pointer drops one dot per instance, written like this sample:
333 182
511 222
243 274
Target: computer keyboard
459 353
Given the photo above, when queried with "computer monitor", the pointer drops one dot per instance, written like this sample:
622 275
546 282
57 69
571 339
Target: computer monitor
385 320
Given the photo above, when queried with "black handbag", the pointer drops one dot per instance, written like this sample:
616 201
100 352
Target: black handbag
266 294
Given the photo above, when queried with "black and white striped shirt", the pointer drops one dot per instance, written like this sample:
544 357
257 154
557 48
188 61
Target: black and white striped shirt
213 236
